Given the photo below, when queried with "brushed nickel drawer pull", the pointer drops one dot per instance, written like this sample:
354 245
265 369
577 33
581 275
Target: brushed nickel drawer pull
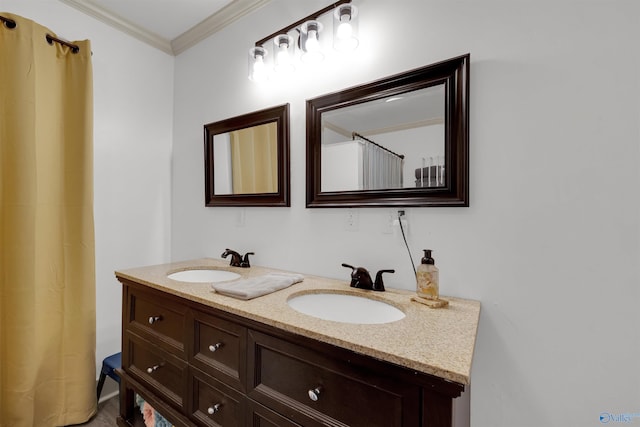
314 394
214 347
154 319
152 369
213 409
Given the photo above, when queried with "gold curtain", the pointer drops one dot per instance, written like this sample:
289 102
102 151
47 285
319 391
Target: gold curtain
254 159
47 266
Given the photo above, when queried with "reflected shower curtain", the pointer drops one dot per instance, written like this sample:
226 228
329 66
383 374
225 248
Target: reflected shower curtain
254 159
47 272
381 169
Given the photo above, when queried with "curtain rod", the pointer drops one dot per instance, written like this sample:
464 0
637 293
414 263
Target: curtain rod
11 24
355 134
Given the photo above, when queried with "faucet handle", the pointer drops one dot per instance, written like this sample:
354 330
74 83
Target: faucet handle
378 285
245 260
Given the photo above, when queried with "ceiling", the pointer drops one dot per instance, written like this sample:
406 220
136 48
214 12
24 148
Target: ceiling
415 109
172 26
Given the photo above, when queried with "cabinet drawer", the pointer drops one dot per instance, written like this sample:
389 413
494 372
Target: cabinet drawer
162 372
265 417
219 349
214 403
322 390
157 319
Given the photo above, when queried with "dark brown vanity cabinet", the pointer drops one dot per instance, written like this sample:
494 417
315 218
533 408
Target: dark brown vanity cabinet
199 366
313 388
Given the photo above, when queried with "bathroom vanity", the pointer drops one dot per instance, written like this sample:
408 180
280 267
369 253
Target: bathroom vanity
204 359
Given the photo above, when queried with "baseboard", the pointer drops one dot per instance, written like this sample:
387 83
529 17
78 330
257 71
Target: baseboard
107 396
110 388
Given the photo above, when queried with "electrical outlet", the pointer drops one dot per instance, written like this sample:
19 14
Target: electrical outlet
351 221
400 219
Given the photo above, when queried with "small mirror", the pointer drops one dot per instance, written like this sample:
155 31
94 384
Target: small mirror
247 159
399 141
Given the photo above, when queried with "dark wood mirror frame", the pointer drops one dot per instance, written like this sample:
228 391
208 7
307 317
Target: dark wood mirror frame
454 74
279 115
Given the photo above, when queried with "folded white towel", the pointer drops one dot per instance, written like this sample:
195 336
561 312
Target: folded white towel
257 286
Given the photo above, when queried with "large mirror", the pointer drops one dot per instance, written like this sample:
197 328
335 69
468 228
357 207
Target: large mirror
247 159
399 141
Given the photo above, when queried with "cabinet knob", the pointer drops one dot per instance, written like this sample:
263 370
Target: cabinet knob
154 319
213 409
215 346
314 394
153 368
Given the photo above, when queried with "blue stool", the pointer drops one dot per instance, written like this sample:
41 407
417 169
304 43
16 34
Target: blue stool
109 366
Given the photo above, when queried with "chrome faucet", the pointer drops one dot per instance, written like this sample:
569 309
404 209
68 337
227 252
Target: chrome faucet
361 279
236 259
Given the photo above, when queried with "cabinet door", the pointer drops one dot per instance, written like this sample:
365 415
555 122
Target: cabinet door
313 388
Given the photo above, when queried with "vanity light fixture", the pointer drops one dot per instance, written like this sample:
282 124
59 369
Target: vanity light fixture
304 40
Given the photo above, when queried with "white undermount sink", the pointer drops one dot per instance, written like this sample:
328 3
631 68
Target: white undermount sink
203 276
345 308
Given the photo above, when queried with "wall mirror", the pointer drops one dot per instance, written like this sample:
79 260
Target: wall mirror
247 159
398 141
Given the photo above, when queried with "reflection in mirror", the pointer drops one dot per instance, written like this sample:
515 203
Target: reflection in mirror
247 159
393 142
398 141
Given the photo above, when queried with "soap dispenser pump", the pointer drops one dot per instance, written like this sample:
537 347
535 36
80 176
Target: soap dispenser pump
427 277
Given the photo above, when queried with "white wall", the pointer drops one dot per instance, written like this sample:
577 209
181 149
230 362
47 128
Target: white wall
549 244
341 166
133 108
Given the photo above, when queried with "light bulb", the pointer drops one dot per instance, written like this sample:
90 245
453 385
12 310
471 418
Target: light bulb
345 31
259 70
283 61
312 44
345 28
283 55
257 67
312 50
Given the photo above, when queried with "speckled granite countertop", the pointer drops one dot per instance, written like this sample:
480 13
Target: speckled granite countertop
434 341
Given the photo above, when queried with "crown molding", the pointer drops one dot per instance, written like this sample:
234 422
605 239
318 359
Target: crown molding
214 23
120 23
